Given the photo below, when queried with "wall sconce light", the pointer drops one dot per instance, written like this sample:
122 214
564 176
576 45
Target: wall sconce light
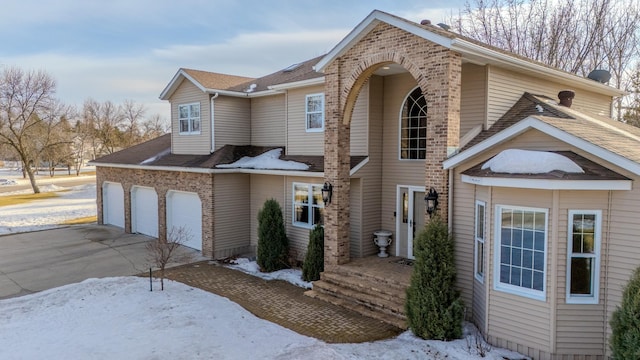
431 200
327 192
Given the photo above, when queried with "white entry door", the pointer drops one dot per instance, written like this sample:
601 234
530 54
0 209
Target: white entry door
410 218
144 211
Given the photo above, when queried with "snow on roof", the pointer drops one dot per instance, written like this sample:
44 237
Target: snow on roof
157 156
515 161
269 160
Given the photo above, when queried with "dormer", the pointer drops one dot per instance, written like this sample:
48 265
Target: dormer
192 94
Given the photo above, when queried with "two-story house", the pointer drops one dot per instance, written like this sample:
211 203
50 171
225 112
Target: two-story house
538 192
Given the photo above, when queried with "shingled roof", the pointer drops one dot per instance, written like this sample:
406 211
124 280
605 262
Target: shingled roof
241 85
592 171
604 137
527 105
156 154
212 80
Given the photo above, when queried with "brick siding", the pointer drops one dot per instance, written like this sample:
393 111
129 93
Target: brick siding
162 182
437 71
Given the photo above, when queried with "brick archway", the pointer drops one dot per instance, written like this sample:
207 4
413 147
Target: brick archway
436 69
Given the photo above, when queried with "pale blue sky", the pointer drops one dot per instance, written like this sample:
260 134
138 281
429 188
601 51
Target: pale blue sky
130 49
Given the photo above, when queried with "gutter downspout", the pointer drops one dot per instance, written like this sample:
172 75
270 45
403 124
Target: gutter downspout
211 109
450 200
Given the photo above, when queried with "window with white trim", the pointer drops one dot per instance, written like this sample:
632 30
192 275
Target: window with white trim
308 207
189 118
583 256
521 245
413 126
314 112
479 240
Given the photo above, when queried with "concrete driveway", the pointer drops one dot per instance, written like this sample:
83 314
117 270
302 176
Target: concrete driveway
36 261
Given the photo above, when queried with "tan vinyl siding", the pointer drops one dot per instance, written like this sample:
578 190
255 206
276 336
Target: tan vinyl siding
299 141
534 140
231 214
555 326
471 293
579 327
529 140
298 236
473 103
508 312
623 251
371 173
396 172
355 219
232 120
506 87
263 188
200 144
268 120
359 122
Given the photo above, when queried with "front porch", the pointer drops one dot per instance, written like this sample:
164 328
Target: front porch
373 286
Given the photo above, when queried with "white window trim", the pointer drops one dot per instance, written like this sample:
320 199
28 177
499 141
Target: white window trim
400 127
512 289
584 299
306 113
190 132
309 186
477 240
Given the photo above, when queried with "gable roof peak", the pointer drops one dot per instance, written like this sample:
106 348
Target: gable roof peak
471 50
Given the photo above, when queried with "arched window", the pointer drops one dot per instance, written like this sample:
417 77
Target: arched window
413 126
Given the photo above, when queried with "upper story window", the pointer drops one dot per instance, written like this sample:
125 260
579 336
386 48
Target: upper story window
583 256
308 207
413 126
189 118
314 112
521 245
479 241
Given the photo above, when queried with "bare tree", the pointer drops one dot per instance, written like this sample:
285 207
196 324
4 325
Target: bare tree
81 137
164 251
28 115
132 115
153 127
105 120
632 110
59 152
574 35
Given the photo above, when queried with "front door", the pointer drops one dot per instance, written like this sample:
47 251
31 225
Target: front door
410 219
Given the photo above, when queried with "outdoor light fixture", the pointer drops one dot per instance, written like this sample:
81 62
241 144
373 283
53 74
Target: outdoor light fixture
327 192
431 200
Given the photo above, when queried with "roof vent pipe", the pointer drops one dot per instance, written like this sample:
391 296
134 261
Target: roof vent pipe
444 26
425 22
566 97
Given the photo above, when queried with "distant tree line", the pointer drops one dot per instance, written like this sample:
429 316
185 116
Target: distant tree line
37 129
577 36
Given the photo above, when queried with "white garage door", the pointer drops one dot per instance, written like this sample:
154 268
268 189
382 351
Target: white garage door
113 204
144 211
185 209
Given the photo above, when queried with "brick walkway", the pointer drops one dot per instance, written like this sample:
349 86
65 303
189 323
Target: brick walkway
284 304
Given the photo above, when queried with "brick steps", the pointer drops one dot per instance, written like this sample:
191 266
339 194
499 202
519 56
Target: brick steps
368 294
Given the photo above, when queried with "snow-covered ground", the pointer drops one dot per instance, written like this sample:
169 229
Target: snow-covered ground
119 318
71 203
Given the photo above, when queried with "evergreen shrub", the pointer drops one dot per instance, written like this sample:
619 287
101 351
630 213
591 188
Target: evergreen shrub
313 263
273 245
433 307
625 322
